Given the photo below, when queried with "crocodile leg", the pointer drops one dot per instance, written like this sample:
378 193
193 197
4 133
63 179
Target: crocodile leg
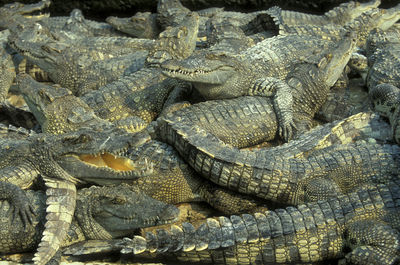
19 203
282 102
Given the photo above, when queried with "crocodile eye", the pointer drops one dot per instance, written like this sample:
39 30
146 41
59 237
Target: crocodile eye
82 138
119 200
43 94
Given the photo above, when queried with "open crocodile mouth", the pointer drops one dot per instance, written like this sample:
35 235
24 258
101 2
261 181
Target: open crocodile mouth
107 160
38 14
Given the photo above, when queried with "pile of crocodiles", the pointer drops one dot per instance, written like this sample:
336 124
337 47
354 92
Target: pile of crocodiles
283 126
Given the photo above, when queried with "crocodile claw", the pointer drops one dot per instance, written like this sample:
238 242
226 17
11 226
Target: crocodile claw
23 208
286 130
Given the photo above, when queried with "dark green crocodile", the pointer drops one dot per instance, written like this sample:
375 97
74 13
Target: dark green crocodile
24 159
362 227
101 213
275 67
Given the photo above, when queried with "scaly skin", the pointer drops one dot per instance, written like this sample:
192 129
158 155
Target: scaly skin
15 13
339 15
291 174
77 24
77 70
72 71
94 7
143 94
53 104
11 64
386 100
171 13
383 54
362 227
141 25
241 122
173 181
374 18
101 213
23 160
257 71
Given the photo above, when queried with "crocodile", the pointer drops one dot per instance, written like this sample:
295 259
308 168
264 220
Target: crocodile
101 213
77 24
13 63
383 55
339 15
386 100
23 160
97 8
170 13
141 25
362 228
375 18
17 12
146 92
288 174
130 102
77 69
169 170
78 72
257 71
60 112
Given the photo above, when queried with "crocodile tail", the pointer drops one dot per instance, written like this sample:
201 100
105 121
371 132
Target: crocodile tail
232 234
61 200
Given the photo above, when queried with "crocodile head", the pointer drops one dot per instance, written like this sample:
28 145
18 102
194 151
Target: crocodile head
141 25
213 74
20 13
375 18
202 67
351 10
38 45
110 212
96 154
333 64
56 109
389 17
176 42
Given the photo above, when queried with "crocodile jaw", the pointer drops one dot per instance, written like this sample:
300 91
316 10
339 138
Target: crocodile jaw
108 160
213 77
389 17
360 8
